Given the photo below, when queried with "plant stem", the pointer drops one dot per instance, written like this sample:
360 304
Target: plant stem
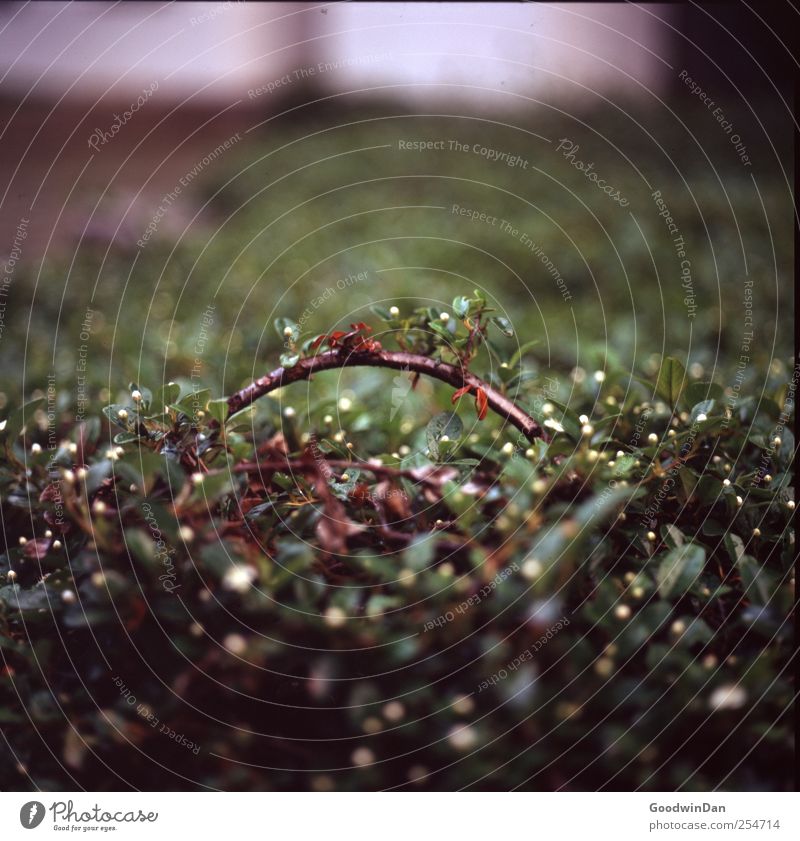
457 377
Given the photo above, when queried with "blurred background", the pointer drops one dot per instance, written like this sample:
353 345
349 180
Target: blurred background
161 158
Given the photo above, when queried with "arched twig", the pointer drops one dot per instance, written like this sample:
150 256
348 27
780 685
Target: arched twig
344 358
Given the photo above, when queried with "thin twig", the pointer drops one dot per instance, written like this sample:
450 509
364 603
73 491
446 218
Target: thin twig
348 358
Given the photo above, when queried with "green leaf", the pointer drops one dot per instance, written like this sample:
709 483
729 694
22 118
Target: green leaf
704 407
671 380
112 413
521 351
461 306
289 359
698 392
445 423
218 409
419 553
282 323
381 312
169 393
679 569
503 325
20 419
126 437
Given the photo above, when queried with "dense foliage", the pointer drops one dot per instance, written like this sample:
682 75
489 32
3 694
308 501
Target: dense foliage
366 579
346 590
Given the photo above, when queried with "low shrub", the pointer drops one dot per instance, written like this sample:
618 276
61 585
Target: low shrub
462 572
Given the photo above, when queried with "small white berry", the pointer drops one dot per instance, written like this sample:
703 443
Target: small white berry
56 544
532 569
583 419
81 473
289 412
622 612
726 482
235 643
587 429
122 414
328 419
394 311
727 697
394 711
99 506
345 404
652 438
68 597
362 756
48 533
136 396
11 576
186 533
23 540
678 627
444 316
767 477
36 449
462 737
345 477
288 331
702 417
508 448
239 578
197 478
790 505
604 666
756 532
776 441
463 705
335 617
739 501
599 376
651 536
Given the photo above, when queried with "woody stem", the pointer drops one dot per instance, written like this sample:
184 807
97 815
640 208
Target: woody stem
347 358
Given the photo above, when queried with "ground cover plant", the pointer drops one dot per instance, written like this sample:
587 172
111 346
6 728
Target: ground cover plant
401 514
626 559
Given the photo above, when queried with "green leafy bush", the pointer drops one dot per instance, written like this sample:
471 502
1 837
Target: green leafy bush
353 583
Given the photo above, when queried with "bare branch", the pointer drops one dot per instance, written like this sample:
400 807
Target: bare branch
344 358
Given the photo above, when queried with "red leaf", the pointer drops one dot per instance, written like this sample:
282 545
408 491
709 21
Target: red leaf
318 341
481 403
458 393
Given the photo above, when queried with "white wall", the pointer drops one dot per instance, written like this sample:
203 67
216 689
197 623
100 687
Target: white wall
445 52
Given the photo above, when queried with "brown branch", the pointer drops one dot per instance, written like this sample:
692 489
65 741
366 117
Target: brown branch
456 377
299 465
